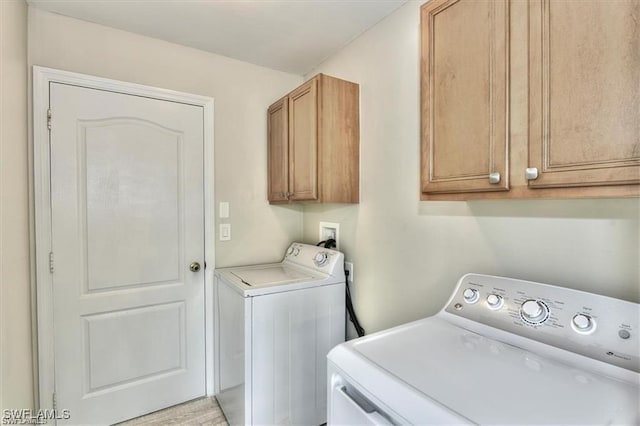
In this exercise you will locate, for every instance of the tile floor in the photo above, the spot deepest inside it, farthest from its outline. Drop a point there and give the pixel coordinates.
(203, 411)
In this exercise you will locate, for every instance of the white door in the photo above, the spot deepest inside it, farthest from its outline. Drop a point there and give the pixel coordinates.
(127, 222)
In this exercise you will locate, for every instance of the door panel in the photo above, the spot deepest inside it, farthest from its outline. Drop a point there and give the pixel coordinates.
(303, 142)
(465, 45)
(132, 192)
(584, 92)
(156, 330)
(127, 220)
(278, 150)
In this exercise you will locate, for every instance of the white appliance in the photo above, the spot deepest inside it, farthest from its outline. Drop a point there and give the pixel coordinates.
(502, 351)
(275, 325)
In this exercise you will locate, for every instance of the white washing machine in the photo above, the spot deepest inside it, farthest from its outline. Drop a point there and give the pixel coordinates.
(502, 351)
(275, 325)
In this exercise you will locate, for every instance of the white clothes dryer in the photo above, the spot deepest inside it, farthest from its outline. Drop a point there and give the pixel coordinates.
(501, 352)
(275, 325)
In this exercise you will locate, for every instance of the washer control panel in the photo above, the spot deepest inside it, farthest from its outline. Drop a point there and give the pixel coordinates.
(319, 258)
(592, 325)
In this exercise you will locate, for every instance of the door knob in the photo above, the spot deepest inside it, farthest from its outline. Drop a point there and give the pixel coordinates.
(195, 267)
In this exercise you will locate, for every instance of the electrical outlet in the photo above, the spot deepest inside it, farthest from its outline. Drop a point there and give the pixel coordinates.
(348, 266)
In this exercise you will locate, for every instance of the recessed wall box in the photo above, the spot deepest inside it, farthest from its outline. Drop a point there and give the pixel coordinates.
(329, 230)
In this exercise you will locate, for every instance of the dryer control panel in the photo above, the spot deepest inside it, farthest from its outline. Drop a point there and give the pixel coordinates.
(592, 325)
(322, 259)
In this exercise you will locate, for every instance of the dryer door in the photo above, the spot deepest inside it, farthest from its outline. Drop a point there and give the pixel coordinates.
(350, 407)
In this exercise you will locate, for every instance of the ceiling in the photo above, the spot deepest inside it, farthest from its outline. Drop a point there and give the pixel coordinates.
(287, 35)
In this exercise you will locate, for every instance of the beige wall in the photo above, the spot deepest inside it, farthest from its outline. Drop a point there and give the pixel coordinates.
(409, 254)
(16, 378)
(241, 93)
(15, 314)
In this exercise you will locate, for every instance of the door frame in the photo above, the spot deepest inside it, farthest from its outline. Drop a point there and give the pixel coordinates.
(41, 278)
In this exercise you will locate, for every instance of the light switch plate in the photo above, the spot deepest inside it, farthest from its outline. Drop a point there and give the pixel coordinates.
(225, 232)
(224, 210)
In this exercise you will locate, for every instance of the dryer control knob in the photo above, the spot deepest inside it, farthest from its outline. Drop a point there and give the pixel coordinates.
(320, 258)
(534, 311)
(471, 295)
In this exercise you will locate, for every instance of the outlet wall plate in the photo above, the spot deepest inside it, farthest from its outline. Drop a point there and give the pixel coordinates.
(225, 232)
(348, 266)
(327, 230)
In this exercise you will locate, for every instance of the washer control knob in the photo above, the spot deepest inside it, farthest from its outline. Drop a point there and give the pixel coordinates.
(495, 301)
(296, 251)
(290, 251)
(583, 324)
(471, 295)
(534, 311)
(320, 258)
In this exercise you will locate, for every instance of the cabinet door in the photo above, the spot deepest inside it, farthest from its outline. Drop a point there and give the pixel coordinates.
(278, 150)
(464, 78)
(584, 93)
(303, 142)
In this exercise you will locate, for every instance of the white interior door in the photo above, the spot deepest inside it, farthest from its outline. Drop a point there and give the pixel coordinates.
(127, 221)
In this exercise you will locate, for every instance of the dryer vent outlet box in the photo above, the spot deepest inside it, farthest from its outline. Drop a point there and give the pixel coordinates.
(329, 230)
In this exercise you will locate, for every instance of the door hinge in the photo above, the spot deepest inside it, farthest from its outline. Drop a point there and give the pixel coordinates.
(55, 402)
(51, 262)
(49, 119)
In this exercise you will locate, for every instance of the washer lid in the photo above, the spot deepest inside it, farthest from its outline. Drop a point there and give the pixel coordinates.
(489, 382)
(270, 275)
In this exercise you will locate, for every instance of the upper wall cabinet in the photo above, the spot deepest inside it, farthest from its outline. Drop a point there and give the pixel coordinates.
(303, 142)
(314, 142)
(278, 150)
(530, 99)
(465, 69)
(584, 92)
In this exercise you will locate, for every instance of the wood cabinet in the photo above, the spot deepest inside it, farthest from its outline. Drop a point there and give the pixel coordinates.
(278, 150)
(584, 92)
(548, 87)
(465, 103)
(313, 143)
(303, 146)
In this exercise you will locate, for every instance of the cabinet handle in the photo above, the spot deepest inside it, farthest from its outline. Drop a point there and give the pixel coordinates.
(494, 177)
(531, 173)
